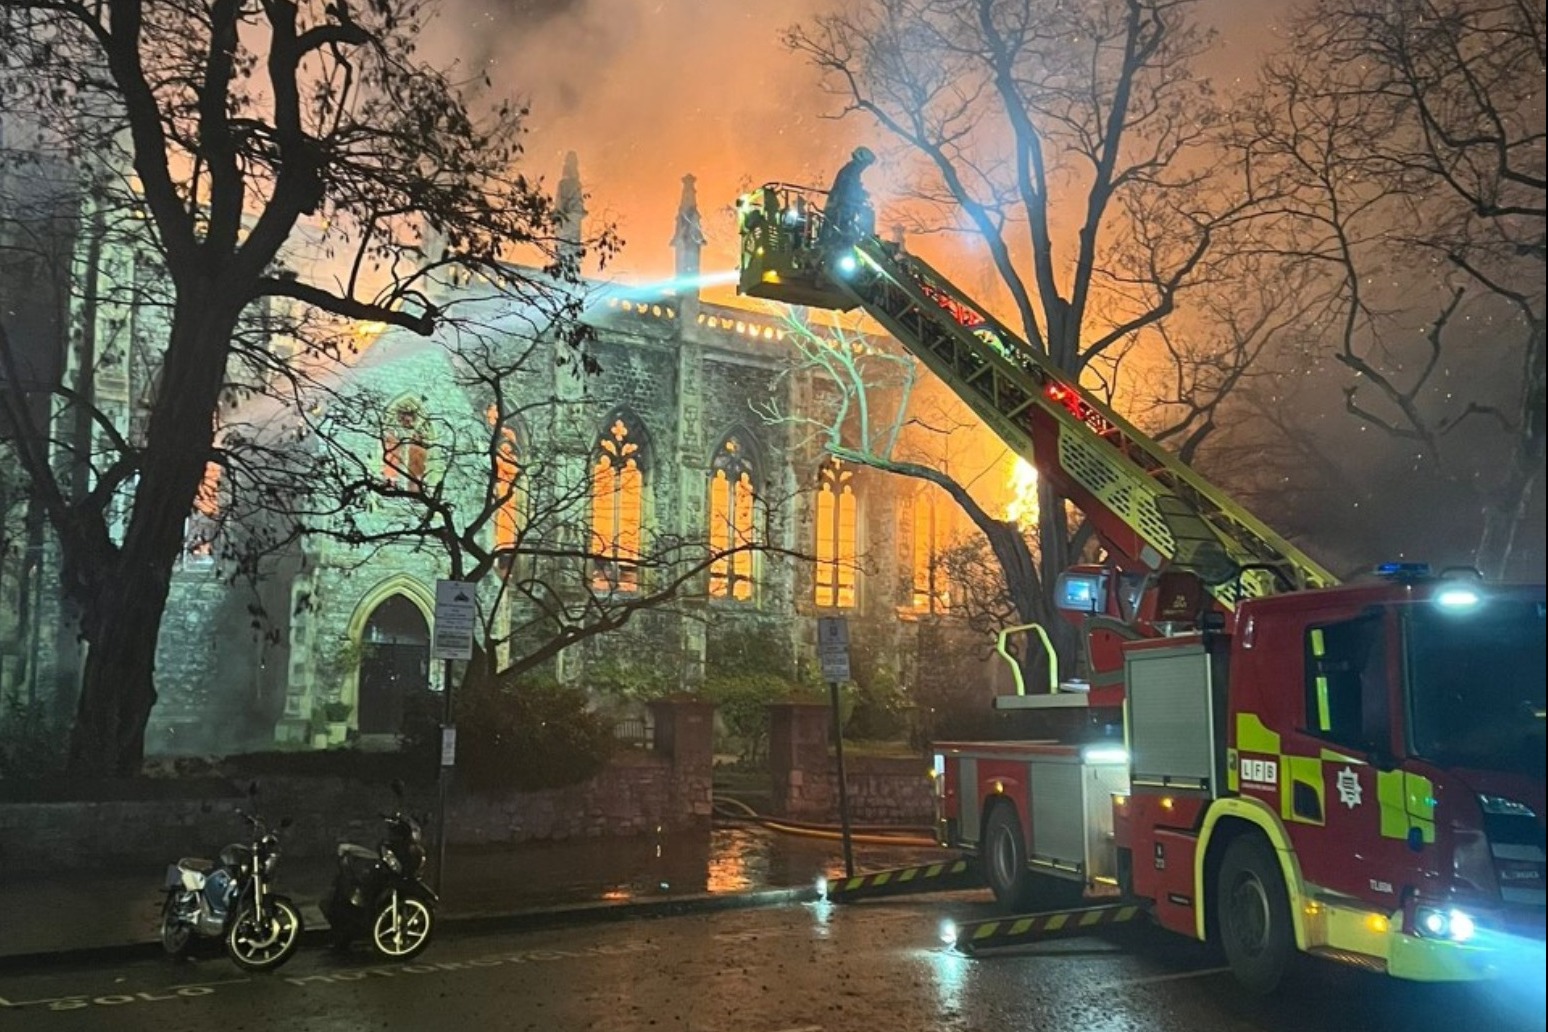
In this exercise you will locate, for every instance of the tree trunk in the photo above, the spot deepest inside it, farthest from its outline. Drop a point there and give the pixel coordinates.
(118, 682)
(1023, 583)
(1053, 529)
(123, 604)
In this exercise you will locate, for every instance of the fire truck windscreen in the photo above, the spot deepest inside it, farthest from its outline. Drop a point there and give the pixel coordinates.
(1474, 680)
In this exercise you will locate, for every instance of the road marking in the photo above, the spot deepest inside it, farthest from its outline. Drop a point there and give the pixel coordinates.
(1176, 976)
(222, 981)
(77, 1001)
(541, 956)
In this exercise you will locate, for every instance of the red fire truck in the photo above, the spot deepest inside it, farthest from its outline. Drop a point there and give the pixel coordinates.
(1257, 754)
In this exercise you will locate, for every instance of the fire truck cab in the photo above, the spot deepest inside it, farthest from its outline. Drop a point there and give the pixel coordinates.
(1354, 772)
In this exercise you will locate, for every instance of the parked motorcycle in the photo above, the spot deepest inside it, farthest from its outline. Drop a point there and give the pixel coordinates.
(231, 898)
(379, 892)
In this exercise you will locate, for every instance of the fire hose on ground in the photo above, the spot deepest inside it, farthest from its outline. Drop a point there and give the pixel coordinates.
(862, 834)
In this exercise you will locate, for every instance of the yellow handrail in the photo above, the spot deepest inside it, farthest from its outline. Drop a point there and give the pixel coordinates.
(1053, 657)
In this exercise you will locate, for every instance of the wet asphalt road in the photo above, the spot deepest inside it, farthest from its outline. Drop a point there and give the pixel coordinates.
(874, 967)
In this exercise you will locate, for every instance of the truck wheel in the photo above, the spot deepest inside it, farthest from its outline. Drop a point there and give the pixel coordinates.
(1005, 860)
(1254, 915)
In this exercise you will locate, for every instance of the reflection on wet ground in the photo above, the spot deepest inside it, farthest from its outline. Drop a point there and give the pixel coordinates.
(735, 859)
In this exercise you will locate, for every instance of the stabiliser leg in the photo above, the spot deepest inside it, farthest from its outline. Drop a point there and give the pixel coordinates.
(945, 876)
(973, 937)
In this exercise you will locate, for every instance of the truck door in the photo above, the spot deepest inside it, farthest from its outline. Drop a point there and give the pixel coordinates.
(1338, 760)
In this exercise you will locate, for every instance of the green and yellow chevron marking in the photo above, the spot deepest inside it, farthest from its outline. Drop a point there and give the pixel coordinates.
(937, 877)
(1016, 931)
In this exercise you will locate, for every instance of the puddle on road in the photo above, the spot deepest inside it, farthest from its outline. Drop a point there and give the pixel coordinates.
(736, 859)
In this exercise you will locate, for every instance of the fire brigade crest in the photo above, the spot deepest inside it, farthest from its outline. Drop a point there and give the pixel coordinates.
(1348, 788)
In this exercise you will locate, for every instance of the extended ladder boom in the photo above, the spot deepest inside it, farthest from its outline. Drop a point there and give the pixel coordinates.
(1149, 509)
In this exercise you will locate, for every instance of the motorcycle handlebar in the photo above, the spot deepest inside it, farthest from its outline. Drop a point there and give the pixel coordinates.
(259, 822)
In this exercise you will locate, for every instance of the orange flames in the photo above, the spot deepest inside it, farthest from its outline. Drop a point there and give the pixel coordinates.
(1022, 507)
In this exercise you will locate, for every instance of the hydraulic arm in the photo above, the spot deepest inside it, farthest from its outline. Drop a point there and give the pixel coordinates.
(1150, 510)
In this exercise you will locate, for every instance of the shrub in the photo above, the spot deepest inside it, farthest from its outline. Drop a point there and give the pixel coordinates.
(32, 745)
(742, 700)
(634, 682)
(750, 648)
(528, 733)
(880, 709)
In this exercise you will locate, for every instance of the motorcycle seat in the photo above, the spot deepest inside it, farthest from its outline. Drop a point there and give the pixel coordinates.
(349, 849)
(193, 869)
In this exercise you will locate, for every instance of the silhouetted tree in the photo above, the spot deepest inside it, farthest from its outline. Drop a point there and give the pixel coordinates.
(230, 129)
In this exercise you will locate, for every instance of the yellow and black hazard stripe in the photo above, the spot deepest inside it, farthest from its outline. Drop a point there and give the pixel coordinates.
(901, 881)
(1018, 931)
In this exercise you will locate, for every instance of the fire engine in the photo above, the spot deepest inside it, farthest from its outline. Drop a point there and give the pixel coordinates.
(1257, 755)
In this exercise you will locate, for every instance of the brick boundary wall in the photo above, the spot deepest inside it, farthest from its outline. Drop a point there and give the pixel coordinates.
(804, 774)
(149, 822)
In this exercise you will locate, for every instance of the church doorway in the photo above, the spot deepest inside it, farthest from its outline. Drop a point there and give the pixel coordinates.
(394, 663)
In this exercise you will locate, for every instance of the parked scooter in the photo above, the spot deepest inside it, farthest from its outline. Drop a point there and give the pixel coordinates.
(379, 892)
(231, 898)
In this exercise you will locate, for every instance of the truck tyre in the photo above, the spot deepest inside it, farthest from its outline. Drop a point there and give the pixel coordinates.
(1004, 851)
(1253, 910)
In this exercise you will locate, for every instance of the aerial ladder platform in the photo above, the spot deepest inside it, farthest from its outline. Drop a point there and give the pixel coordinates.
(1148, 508)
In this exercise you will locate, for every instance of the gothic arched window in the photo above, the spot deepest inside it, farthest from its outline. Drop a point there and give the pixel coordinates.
(618, 507)
(204, 523)
(504, 488)
(733, 506)
(837, 544)
(932, 536)
(406, 446)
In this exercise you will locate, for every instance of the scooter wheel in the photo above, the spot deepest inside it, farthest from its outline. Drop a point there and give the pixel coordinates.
(176, 933)
(402, 931)
(257, 943)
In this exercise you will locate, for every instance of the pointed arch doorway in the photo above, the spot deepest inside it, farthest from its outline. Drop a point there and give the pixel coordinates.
(394, 663)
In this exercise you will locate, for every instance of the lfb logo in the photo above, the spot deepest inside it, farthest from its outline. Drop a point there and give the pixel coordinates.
(1260, 772)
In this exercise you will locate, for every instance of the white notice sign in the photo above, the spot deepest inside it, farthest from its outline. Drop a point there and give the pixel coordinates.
(833, 648)
(456, 616)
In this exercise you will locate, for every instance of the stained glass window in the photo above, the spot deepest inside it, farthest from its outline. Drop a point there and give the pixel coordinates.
(837, 550)
(732, 520)
(617, 508)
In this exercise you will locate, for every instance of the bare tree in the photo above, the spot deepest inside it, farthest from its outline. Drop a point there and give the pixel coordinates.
(1408, 139)
(1015, 111)
(228, 126)
(865, 410)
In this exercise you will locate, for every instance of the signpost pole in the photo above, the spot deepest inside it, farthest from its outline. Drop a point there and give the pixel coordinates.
(443, 776)
(833, 654)
(843, 782)
(456, 615)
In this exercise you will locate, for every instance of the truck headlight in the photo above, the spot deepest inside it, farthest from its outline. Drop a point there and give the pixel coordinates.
(1455, 925)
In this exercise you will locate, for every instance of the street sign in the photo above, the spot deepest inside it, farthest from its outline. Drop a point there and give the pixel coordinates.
(456, 616)
(448, 746)
(833, 648)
